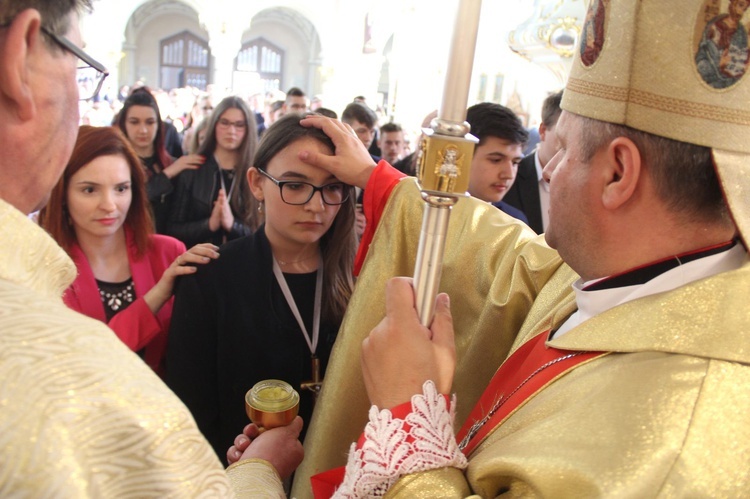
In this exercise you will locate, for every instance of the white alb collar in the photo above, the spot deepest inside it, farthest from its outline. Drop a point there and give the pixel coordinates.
(591, 303)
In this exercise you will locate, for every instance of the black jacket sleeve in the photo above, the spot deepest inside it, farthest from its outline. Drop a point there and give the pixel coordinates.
(159, 185)
(191, 211)
(192, 351)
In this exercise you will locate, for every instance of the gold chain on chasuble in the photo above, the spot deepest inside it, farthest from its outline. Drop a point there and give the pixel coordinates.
(528, 370)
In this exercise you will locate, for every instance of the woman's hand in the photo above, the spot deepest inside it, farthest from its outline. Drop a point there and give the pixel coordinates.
(188, 162)
(221, 215)
(217, 213)
(227, 217)
(279, 446)
(199, 254)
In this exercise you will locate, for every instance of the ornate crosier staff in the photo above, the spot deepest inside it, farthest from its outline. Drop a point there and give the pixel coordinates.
(445, 157)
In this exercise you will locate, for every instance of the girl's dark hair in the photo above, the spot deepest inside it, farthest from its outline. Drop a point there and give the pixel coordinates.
(142, 97)
(337, 246)
(92, 143)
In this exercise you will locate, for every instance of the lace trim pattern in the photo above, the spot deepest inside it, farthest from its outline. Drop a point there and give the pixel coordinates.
(395, 447)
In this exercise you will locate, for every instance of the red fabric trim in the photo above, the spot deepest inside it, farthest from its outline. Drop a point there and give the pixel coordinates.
(382, 181)
(325, 484)
(515, 370)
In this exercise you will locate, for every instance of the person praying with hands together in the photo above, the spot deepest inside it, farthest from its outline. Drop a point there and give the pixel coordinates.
(213, 203)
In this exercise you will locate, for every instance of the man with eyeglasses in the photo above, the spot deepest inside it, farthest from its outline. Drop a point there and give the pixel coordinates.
(81, 415)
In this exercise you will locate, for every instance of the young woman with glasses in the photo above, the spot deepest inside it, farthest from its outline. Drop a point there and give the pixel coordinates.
(98, 212)
(271, 306)
(140, 121)
(212, 204)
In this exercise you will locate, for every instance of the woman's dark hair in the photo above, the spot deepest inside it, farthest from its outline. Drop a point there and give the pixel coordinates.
(142, 97)
(92, 143)
(337, 246)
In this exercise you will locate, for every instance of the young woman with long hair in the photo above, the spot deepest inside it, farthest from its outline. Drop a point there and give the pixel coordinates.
(140, 121)
(211, 204)
(98, 212)
(272, 305)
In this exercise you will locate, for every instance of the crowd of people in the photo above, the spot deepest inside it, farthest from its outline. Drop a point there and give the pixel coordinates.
(589, 341)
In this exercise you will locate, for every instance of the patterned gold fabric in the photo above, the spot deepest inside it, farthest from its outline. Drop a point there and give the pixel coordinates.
(80, 414)
(667, 415)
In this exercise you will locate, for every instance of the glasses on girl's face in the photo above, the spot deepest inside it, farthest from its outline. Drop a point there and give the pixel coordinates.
(239, 125)
(297, 193)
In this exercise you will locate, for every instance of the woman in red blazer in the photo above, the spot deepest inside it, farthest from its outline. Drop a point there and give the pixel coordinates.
(98, 212)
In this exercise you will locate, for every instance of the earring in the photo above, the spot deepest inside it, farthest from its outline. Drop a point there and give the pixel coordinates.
(261, 207)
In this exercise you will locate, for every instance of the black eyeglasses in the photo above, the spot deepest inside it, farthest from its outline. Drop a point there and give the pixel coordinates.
(298, 193)
(90, 77)
(239, 125)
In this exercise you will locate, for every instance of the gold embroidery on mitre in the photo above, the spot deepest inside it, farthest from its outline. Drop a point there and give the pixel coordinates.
(600, 90)
(682, 107)
(720, 43)
(691, 109)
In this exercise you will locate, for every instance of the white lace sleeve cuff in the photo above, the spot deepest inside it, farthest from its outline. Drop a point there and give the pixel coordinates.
(394, 447)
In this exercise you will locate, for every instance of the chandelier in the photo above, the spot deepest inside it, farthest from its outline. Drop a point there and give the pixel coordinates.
(550, 36)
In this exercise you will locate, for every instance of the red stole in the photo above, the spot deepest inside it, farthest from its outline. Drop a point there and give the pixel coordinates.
(528, 370)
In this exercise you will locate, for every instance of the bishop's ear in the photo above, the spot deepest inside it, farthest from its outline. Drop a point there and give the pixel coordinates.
(623, 172)
(21, 48)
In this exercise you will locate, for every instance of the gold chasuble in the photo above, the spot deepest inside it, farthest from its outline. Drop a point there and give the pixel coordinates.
(667, 413)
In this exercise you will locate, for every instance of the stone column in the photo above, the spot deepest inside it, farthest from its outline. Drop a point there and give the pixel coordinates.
(225, 40)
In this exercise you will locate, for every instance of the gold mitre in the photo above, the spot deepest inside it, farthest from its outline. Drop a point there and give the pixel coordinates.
(673, 68)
